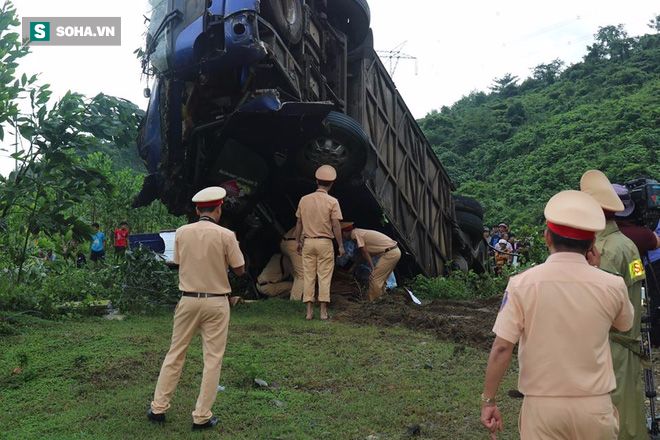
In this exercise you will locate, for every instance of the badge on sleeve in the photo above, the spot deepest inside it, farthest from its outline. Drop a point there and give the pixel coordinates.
(504, 300)
(636, 269)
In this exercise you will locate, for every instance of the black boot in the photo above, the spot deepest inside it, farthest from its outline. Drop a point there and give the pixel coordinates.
(208, 425)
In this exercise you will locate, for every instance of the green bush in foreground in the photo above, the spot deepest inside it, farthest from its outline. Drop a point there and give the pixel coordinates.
(140, 284)
(458, 286)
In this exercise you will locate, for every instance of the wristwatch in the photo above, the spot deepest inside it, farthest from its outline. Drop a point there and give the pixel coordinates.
(485, 399)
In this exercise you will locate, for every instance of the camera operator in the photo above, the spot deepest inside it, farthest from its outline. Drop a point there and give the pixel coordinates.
(631, 224)
(644, 238)
(619, 255)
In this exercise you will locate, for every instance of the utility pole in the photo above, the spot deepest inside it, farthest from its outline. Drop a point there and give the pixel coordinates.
(394, 56)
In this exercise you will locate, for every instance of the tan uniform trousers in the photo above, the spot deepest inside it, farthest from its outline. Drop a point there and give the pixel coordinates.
(318, 258)
(386, 264)
(290, 249)
(274, 289)
(568, 418)
(211, 316)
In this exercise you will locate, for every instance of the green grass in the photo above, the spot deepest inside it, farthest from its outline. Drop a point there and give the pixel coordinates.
(94, 379)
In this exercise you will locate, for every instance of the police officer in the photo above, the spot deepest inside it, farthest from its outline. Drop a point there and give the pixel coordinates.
(374, 244)
(289, 247)
(204, 251)
(318, 223)
(618, 254)
(275, 278)
(560, 312)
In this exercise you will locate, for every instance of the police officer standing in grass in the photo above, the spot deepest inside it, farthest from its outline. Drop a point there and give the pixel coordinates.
(204, 251)
(374, 244)
(618, 254)
(318, 223)
(560, 312)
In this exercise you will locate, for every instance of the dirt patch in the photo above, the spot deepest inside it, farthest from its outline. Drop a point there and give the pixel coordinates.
(461, 322)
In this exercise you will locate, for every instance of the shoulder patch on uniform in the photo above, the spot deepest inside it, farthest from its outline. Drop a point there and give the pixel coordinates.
(636, 268)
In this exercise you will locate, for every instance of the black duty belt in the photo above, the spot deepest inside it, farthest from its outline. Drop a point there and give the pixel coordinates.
(320, 238)
(266, 282)
(289, 239)
(204, 295)
(396, 246)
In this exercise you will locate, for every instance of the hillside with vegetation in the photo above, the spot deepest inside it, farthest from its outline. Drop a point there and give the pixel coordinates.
(514, 147)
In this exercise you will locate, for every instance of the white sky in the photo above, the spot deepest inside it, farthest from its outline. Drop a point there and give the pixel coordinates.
(459, 46)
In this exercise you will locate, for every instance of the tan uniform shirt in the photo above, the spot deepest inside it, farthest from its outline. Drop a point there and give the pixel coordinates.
(205, 251)
(561, 312)
(277, 269)
(316, 210)
(373, 241)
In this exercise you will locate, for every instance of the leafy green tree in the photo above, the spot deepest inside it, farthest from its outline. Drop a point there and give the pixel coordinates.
(10, 52)
(505, 86)
(548, 73)
(654, 23)
(51, 178)
(612, 42)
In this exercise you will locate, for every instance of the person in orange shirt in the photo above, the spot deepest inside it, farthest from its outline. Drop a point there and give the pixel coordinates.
(374, 244)
(560, 313)
(318, 223)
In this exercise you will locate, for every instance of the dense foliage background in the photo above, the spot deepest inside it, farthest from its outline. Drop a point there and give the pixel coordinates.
(516, 146)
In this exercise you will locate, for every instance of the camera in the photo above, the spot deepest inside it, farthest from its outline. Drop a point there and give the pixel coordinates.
(646, 195)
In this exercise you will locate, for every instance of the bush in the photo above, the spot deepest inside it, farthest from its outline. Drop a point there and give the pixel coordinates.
(143, 283)
(140, 284)
(458, 286)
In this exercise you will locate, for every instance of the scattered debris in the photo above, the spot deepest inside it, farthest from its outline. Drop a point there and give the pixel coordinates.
(262, 383)
(114, 315)
(279, 403)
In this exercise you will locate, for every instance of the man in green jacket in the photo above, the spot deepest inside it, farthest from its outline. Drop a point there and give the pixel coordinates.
(619, 254)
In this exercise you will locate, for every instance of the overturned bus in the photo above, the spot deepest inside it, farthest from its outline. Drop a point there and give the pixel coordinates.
(254, 95)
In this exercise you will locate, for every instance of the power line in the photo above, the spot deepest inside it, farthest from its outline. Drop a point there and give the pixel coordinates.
(394, 56)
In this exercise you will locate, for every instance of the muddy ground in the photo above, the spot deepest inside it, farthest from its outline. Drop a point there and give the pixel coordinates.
(461, 322)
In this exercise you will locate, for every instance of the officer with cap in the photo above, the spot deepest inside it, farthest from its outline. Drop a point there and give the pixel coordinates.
(560, 312)
(618, 254)
(318, 223)
(204, 251)
(374, 244)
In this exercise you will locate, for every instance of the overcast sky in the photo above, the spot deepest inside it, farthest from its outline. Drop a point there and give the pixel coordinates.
(458, 46)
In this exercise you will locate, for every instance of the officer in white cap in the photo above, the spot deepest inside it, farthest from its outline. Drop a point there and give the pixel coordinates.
(318, 223)
(618, 254)
(204, 251)
(560, 312)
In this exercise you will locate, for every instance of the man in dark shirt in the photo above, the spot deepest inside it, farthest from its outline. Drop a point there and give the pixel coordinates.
(644, 238)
